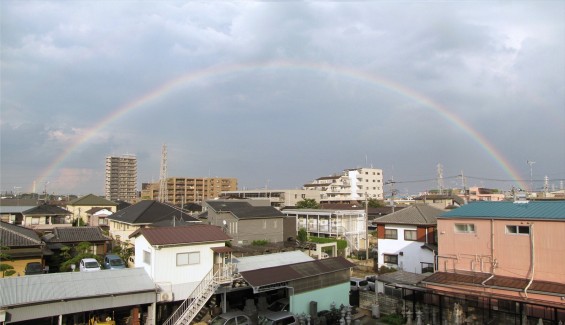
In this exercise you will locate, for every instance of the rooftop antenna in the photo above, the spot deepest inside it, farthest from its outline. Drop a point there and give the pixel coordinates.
(163, 175)
(531, 163)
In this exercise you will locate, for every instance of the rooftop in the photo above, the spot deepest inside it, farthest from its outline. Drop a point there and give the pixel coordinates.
(17, 236)
(416, 214)
(197, 233)
(541, 210)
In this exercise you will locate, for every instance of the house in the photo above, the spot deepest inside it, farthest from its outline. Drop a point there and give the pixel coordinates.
(349, 224)
(178, 259)
(246, 222)
(73, 236)
(23, 246)
(406, 238)
(475, 193)
(79, 206)
(45, 217)
(147, 213)
(503, 261)
(11, 209)
(98, 217)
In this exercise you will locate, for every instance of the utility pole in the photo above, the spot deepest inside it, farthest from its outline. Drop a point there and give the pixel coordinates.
(366, 227)
(531, 163)
(163, 176)
(440, 178)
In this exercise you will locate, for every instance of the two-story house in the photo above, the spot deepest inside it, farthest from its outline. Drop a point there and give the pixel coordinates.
(79, 206)
(406, 238)
(21, 245)
(147, 213)
(46, 217)
(245, 222)
(183, 261)
(502, 262)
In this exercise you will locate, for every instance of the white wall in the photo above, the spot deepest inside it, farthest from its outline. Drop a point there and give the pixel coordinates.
(413, 253)
(164, 270)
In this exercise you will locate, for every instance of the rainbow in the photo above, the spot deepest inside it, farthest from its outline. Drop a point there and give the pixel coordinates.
(181, 81)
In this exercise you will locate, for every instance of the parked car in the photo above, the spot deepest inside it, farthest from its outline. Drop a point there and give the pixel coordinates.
(359, 284)
(231, 318)
(279, 305)
(33, 268)
(89, 264)
(277, 318)
(113, 261)
(371, 279)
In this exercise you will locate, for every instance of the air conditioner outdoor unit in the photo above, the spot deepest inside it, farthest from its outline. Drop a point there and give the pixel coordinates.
(165, 296)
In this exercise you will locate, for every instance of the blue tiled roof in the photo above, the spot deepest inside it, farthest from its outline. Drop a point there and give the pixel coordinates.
(543, 210)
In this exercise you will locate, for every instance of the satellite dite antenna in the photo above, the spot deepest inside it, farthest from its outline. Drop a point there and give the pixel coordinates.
(531, 163)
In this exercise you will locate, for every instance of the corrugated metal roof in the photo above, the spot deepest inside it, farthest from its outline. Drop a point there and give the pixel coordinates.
(546, 210)
(256, 262)
(32, 289)
(416, 214)
(284, 273)
(17, 236)
(198, 233)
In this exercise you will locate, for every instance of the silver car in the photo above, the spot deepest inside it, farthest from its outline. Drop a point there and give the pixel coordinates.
(231, 318)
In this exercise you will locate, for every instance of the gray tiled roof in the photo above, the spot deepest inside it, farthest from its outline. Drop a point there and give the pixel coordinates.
(47, 210)
(150, 212)
(17, 236)
(199, 233)
(92, 200)
(244, 210)
(416, 214)
(76, 234)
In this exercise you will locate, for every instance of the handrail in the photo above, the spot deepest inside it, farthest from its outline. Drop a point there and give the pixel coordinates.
(200, 295)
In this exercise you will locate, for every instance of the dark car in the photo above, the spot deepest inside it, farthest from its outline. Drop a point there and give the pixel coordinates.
(33, 268)
(112, 261)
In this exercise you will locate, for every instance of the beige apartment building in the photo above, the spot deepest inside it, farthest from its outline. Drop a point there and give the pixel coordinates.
(121, 178)
(181, 190)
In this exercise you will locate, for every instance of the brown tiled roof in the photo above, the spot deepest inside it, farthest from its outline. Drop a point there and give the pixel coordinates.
(197, 233)
(283, 273)
(500, 282)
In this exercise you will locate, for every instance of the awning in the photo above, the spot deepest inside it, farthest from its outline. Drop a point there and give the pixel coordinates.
(222, 249)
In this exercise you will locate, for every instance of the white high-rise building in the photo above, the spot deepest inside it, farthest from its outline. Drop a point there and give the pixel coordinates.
(121, 178)
(351, 185)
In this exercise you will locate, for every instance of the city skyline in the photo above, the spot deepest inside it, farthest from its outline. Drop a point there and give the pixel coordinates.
(278, 94)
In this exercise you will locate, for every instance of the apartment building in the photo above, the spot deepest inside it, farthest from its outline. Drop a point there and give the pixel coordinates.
(277, 198)
(121, 178)
(182, 190)
(350, 186)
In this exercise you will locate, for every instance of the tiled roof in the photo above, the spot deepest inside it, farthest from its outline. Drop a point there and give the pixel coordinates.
(198, 233)
(76, 234)
(16, 236)
(47, 210)
(542, 210)
(499, 282)
(284, 273)
(150, 212)
(92, 200)
(416, 214)
(244, 210)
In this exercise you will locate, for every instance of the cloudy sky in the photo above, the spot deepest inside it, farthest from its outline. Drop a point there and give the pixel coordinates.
(277, 94)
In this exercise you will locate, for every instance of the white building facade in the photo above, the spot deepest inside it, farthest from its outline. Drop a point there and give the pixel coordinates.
(352, 185)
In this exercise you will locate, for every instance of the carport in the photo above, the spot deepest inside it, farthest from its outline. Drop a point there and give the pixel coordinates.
(64, 295)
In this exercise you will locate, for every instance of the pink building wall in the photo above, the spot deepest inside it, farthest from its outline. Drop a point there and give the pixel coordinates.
(511, 253)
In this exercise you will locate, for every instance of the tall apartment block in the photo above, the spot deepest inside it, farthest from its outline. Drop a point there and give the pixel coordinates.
(184, 190)
(352, 185)
(121, 178)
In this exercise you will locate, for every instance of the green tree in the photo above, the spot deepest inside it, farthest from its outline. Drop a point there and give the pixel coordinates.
(73, 255)
(123, 250)
(302, 235)
(374, 203)
(5, 269)
(307, 204)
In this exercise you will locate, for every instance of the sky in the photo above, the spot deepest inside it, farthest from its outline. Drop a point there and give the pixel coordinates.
(277, 94)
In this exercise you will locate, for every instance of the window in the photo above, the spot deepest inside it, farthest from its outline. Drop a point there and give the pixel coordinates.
(427, 267)
(519, 230)
(464, 227)
(410, 235)
(390, 259)
(147, 257)
(34, 221)
(188, 258)
(391, 234)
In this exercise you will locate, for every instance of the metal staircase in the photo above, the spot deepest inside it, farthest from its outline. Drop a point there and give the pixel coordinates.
(201, 294)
